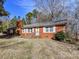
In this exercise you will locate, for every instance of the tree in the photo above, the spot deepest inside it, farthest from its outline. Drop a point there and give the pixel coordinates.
(72, 17)
(4, 24)
(24, 21)
(35, 12)
(76, 21)
(53, 7)
(19, 18)
(13, 22)
(29, 17)
(40, 17)
(2, 10)
(62, 10)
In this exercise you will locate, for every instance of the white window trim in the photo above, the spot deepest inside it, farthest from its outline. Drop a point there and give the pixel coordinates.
(31, 30)
(54, 30)
(44, 30)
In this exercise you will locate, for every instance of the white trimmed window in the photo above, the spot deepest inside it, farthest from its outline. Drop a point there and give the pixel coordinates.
(26, 30)
(49, 29)
(30, 30)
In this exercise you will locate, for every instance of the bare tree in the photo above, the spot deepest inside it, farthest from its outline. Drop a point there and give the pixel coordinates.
(62, 9)
(73, 22)
(76, 20)
(53, 7)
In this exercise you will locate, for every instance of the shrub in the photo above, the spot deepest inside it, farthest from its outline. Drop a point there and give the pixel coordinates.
(60, 36)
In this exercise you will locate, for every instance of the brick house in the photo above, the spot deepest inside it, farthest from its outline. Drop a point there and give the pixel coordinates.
(42, 30)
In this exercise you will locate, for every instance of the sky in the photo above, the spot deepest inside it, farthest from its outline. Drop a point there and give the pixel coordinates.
(22, 7)
(19, 7)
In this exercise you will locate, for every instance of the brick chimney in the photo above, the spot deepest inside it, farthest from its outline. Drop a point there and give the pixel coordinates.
(19, 24)
(19, 27)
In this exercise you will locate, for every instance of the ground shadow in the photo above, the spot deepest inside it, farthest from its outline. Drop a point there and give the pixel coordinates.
(5, 36)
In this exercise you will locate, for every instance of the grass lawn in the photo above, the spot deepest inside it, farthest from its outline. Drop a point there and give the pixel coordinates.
(19, 48)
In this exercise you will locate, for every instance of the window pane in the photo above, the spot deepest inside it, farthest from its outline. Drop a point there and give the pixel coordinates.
(26, 30)
(51, 29)
(31, 30)
(47, 29)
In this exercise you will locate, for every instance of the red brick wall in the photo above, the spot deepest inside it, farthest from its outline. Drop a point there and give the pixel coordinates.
(60, 28)
(28, 35)
(42, 34)
(46, 35)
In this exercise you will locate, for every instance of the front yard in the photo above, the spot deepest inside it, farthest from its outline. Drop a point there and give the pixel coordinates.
(19, 48)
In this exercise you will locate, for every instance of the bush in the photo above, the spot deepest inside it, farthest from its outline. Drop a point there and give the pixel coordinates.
(60, 36)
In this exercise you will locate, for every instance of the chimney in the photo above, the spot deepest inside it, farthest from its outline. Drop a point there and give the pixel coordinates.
(19, 24)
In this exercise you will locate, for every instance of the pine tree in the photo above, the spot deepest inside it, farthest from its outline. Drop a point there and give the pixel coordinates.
(2, 10)
(24, 21)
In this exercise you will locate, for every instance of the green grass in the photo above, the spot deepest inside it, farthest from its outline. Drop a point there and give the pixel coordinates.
(18, 48)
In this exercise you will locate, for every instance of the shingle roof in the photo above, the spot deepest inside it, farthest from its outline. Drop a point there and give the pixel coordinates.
(45, 24)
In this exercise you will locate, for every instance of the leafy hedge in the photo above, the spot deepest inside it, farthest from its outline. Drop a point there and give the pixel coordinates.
(60, 36)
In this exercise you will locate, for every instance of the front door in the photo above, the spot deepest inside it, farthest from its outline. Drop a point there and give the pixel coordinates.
(37, 31)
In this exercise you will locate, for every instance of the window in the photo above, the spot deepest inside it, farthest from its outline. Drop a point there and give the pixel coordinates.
(28, 30)
(37, 29)
(49, 29)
